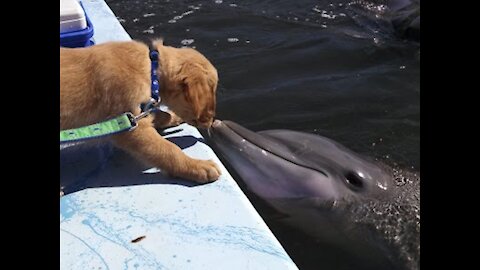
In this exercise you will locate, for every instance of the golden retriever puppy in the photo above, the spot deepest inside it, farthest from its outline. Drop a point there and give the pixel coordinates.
(106, 80)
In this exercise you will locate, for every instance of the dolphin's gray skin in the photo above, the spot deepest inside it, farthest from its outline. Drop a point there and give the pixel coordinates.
(323, 188)
(290, 164)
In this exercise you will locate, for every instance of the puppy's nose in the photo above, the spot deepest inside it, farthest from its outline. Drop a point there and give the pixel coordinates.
(206, 124)
(205, 120)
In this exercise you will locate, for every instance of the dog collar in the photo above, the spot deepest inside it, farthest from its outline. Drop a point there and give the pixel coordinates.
(154, 76)
(123, 122)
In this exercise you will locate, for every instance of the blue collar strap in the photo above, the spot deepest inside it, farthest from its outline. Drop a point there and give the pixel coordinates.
(155, 83)
(124, 122)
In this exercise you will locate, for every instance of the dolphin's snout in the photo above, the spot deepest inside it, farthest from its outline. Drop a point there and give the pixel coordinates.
(216, 123)
(217, 129)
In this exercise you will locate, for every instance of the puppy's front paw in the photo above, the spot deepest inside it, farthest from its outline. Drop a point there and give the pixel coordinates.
(204, 171)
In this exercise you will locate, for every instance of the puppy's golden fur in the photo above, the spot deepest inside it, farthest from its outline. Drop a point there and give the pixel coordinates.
(105, 80)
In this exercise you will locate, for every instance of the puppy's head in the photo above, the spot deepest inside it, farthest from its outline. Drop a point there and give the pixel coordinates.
(189, 84)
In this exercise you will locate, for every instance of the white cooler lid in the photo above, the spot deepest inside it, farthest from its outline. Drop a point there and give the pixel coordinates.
(72, 16)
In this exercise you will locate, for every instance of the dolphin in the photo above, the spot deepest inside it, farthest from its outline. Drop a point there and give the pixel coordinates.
(324, 189)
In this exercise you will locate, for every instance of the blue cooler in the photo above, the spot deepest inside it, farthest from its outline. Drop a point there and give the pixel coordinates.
(76, 30)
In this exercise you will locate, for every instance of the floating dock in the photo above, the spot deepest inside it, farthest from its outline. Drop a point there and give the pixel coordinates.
(119, 214)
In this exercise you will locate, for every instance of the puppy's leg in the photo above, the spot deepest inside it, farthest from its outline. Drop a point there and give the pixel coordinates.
(166, 119)
(146, 144)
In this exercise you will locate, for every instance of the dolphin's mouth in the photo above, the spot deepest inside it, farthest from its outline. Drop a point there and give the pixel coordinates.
(216, 123)
(218, 127)
(271, 146)
(227, 129)
(232, 135)
(247, 135)
(230, 125)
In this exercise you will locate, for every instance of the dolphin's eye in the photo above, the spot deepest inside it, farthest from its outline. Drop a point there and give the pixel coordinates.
(354, 179)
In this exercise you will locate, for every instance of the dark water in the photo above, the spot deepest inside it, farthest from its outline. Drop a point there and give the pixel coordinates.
(335, 68)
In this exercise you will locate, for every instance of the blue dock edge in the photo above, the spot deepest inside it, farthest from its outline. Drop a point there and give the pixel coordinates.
(111, 199)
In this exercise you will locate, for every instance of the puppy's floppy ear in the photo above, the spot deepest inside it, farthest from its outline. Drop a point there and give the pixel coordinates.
(195, 85)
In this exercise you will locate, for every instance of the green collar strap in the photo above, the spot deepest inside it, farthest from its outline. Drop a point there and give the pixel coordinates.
(121, 123)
